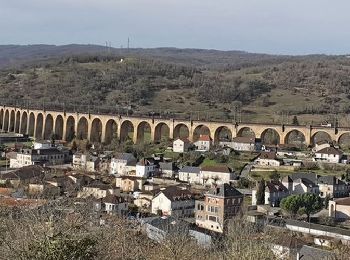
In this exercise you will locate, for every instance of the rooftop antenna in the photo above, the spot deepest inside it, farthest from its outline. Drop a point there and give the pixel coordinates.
(128, 43)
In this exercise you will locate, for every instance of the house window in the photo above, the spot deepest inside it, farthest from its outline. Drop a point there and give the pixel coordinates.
(213, 218)
(213, 209)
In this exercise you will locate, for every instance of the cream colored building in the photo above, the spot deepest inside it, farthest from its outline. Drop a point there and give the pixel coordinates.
(85, 162)
(203, 143)
(122, 163)
(215, 175)
(267, 159)
(97, 190)
(190, 174)
(173, 201)
(181, 145)
(329, 155)
(130, 183)
(339, 208)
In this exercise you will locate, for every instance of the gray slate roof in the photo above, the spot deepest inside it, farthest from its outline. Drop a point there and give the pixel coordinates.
(190, 169)
(125, 156)
(311, 253)
(166, 166)
(225, 190)
(330, 180)
(310, 176)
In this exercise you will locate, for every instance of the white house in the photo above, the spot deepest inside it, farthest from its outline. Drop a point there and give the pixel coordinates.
(328, 154)
(275, 191)
(173, 201)
(190, 174)
(181, 145)
(203, 143)
(243, 144)
(215, 175)
(122, 163)
(46, 145)
(145, 168)
(268, 159)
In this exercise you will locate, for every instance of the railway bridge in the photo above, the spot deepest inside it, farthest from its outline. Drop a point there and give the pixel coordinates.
(67, 125)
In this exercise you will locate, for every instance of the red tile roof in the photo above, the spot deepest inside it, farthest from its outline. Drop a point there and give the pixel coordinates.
(216, 168)
(268, 155)
(330, 150)
(176, 193)
(205, 138)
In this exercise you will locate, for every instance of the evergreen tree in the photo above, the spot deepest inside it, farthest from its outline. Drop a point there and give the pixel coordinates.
(260, 193)
(295, 121)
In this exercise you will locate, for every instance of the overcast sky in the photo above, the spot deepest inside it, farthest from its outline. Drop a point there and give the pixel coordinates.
(268, 26)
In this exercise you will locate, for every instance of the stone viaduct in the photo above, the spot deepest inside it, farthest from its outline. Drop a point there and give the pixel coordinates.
(41, 124)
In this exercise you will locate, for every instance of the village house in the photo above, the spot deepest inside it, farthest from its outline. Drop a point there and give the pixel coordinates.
(46, 144)
(320, 145)
(159, 228)
(145, 167)
(249, 144)
(333, 187)
(97, 189)
(220, 204)
(203, 143)
(339, 209)
(275, 191)
(111, 204)
(267, 159)
(190, 174)
(167, 169)
(150, 186)
(215, 175)
(329, 155)
(301, 183)
(143, 200)
(122, 163)
(181, 145)
(85, 162)
(130, 183)
(40, 188)
(44, 157)
(173, 201)
(24, 175)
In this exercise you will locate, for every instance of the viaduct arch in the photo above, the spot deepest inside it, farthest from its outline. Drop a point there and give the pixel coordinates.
(65, 125)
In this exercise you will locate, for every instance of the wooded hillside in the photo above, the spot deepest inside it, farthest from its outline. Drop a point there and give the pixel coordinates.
(200, 83)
